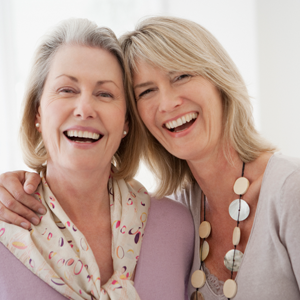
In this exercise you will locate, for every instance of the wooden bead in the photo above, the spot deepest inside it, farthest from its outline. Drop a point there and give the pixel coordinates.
(204, 250)
(241, 186)
(198, 279)
(236, 237)
(204, 230)
(197, 296)
(230, 288)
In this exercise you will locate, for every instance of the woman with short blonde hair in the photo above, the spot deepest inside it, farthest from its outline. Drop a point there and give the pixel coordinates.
(81, 132)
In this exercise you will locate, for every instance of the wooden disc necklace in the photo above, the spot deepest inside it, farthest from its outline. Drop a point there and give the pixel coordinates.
(239, 210)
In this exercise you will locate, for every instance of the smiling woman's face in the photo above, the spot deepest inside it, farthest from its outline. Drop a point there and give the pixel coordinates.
(182, 111)
(82, 109)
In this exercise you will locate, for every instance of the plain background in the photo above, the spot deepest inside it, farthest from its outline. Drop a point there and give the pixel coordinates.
(261, 36)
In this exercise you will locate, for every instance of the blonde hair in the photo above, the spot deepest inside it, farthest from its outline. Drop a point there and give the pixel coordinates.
(86, 33)
(175, 44)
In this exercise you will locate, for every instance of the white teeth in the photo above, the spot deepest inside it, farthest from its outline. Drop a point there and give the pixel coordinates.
(83, 134)
(182, 120)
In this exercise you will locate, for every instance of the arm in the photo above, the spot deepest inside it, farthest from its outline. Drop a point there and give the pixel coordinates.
(290, 221)
(16, 203)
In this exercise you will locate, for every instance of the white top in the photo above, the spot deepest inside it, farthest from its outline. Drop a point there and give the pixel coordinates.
(271, 264)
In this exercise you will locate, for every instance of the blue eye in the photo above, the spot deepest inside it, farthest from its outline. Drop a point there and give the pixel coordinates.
(66, 90)
(105, 95)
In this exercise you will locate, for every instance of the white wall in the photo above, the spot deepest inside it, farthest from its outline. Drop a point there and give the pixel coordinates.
(278, 35)
(261, 36)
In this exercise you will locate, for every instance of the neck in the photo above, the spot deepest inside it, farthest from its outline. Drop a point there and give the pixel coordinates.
(81, 194)
(216, 177)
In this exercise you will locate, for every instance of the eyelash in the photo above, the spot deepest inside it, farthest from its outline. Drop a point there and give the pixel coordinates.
(69, 91)
(145, 93)
(180, 77)
(66, 90)
(107, 95)
(183, 76)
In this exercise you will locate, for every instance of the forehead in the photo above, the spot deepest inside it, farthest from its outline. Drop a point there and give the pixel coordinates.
(89, 62)
(144, 70)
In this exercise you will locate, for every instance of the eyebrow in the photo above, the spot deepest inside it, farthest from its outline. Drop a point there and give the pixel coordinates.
(100, 82)
(143, 84)
(169, 74)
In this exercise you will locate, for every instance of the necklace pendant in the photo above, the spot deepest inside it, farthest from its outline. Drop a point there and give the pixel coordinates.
(231, 265)
(197, 296)
(204, 250)
(198, 279)
(241, 186)
(230, 288)
(239, 210)
(204, 230)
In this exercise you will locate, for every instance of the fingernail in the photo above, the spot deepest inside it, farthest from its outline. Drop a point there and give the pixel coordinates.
(42, 211)
(25, 225)
(35, 221)
(30, 188)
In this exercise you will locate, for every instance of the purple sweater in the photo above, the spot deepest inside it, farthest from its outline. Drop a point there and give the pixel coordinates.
(162, 271)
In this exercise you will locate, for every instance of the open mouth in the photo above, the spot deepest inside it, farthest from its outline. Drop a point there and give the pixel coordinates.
(181, 123)
(82, 136)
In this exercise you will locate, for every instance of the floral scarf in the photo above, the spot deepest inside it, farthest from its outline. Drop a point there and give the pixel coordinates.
(59, 254)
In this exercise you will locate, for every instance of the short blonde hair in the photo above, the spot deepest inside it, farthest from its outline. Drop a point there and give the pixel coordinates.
(175, 44)
(86, 33)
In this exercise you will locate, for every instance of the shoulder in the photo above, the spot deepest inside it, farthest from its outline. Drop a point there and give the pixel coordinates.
(281, 166)
(173, 217)
(167, 251)
(282, 177)
(170, 209)
(280, 191)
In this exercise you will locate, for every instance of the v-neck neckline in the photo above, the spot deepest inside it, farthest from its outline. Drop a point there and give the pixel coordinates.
(257, 212)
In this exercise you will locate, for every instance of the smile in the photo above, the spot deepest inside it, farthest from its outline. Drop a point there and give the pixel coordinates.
(82, 136)
(181, 123)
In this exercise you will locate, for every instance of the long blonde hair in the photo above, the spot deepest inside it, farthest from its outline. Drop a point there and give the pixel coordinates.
(175, 44)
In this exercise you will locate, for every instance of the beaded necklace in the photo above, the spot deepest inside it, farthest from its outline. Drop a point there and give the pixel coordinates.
(239, 210)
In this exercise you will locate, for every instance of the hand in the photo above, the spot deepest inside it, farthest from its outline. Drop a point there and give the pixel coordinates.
(17, 206)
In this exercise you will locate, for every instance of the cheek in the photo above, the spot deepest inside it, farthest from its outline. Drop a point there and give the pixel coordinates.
(145, 113)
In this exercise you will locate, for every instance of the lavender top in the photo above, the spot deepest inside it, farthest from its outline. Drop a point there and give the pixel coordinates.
(162, 271)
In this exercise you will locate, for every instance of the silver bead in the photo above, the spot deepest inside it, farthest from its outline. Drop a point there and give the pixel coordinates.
(234, 210)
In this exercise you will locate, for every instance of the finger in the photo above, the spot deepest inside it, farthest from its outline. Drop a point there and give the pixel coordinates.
(12, 183)
(12, 218)
(32, 180)
(10, 207)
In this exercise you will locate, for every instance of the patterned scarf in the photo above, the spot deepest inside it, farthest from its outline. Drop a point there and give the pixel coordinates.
(59, 254)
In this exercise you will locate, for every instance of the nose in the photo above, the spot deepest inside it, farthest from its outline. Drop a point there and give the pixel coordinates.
(169, 100)
(85, 107)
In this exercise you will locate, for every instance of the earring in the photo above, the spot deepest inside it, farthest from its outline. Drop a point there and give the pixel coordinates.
(37, 125)
(125, 132)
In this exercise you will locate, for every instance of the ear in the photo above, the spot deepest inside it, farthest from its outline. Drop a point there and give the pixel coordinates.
(38, 119)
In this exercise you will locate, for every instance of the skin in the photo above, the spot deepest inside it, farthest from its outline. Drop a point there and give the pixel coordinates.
(83, 90)
(162, 97)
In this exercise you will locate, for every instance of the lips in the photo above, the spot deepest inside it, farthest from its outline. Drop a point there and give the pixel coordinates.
(82, 136)
(181, 123)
